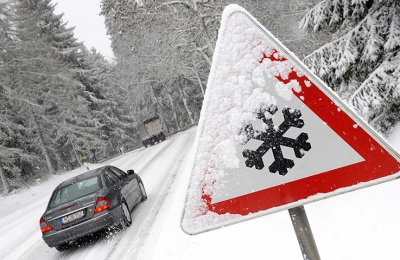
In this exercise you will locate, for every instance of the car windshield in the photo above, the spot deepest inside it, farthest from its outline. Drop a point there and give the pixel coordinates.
(74, 191)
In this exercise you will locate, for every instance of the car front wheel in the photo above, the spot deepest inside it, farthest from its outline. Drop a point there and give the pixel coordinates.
(127, 218)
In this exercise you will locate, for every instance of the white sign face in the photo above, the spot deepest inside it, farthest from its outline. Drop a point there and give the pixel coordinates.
(244, 180)
(271, 135)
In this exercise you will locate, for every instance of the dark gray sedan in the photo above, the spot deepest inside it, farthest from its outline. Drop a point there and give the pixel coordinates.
(90, 202)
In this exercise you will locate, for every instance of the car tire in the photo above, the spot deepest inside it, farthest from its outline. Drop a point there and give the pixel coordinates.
(63, 247)
(127, 217)
(143, 192)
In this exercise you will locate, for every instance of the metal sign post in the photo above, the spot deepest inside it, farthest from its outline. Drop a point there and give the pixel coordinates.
(304, 234)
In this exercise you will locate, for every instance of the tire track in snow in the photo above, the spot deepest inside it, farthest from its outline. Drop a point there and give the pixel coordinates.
(135, 237)
(23, 219)
(12, 247)
(14, 219)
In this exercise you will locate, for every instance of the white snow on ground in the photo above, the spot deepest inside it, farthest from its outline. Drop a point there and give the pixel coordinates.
(363, 224)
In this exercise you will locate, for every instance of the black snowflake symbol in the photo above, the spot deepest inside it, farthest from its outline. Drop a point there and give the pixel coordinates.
(274, 139)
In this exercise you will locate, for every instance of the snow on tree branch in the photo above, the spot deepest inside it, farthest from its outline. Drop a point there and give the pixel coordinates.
(361, 62)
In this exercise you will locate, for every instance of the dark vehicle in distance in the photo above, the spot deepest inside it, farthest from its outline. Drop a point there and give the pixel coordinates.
(90, 202)
(152, 131)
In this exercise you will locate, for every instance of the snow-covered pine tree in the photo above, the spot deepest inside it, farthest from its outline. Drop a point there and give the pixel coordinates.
(5, 29)
(18, 152)
(107, 105)
(43, 87)
(52, 101)
(362, 63)
(77, 131)
(90, 130)
(26, 82)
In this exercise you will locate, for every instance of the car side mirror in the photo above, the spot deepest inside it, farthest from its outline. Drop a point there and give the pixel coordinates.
(130, 172)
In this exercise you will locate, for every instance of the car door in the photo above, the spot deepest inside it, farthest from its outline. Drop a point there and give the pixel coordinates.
(119, 183)
(130, 186)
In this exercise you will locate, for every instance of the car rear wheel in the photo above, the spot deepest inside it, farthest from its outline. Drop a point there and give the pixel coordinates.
(127, 218)
(143, 191)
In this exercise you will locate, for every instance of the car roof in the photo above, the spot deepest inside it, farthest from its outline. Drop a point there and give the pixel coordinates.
(83, 176)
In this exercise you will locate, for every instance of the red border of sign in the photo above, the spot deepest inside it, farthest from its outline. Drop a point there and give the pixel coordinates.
(378, 162)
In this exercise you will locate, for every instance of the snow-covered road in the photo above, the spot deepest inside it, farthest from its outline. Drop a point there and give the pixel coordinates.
(359, 225)
(158, 167)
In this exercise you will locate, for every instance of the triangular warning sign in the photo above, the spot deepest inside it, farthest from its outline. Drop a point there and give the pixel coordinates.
(272, 136)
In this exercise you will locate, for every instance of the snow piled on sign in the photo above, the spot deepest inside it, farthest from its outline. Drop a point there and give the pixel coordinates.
(235, 93)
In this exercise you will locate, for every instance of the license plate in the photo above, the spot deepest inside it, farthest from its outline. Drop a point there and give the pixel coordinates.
(72, 217)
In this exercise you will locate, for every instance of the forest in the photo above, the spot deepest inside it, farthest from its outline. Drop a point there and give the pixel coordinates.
(62, 105)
